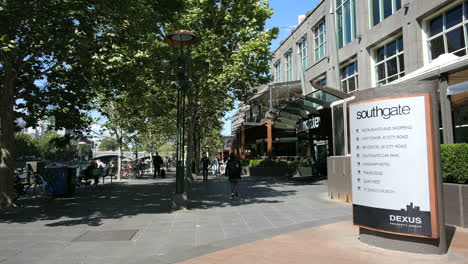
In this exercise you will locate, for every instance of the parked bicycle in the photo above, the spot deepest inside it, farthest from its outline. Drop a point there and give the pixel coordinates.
(129, 172)
(28, 182)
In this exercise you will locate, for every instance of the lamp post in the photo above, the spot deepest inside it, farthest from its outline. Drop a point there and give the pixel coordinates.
(181, 38)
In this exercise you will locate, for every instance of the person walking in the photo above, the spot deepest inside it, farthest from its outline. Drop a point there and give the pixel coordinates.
(233, 171)
(205, 164)
(215, 166)
(157, 163)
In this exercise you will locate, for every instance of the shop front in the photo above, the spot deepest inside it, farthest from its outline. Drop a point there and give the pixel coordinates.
(301, 130)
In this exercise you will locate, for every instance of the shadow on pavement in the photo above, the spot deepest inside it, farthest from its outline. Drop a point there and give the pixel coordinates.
(91, 205)
(252, 190)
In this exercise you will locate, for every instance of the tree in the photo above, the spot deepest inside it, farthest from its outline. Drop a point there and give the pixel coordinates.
(109, 144)
(52, 146)
(24, 145)
(84, 152)
(48, 51)
(232, 57)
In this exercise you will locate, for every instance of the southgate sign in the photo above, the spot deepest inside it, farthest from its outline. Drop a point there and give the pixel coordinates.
(309, 124)
(393, 166)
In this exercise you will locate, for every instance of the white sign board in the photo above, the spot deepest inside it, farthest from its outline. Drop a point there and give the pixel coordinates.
(390, 165)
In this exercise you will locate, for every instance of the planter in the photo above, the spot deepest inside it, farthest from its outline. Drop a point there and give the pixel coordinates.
(269, 171)
(456, 204)
(305, 171)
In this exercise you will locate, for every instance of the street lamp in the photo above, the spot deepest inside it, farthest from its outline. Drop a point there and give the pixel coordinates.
(181, 38)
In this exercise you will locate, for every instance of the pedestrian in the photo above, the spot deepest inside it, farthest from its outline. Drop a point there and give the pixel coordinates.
(205, 164)
(157, 163)
(233, 171)
(100, 164)
(215, 166)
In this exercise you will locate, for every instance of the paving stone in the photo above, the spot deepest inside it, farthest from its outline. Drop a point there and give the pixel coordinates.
(266, 207)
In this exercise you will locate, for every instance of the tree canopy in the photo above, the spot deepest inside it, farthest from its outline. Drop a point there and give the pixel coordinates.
(50, 54)
(63, 58)
(109, 144)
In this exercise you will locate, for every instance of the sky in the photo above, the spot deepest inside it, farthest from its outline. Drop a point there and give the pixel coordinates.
(285, 17)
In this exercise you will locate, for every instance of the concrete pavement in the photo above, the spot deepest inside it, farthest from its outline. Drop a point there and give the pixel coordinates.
(131, 222)
(275, 220)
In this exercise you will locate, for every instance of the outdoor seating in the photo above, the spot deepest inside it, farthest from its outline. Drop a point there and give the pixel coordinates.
(108, 171)
(93, 174)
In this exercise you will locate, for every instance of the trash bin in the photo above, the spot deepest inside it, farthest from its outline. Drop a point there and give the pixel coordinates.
(57, 179)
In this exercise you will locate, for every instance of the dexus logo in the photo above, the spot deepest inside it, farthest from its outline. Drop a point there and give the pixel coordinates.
(386, 113)
(405, 219)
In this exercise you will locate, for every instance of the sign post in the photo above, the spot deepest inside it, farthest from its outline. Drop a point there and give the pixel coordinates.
(394, 182)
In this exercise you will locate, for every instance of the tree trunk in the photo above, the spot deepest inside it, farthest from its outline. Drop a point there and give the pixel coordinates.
(190, 149)
(196, 146)
(119, 169)
(7, 137)
(151, 163)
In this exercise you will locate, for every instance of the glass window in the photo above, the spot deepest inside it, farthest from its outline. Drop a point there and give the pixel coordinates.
(376, 11)
(455, 40)
(387, 8)
(338, 130)
(453, 17)
(321, 81)
(319, 41)
(448, 32)
(436, 25)
(289, 67)
(303, 52)
(389, 62)
(278, 73)
(382, 9)
(345, 21)
(349, 75)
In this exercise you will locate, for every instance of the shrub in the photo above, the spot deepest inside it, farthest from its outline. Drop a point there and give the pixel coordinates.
(270, 163)
(454, 158)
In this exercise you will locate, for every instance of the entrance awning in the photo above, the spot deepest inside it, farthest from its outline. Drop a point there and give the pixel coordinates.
(306, 106)
(311, 103)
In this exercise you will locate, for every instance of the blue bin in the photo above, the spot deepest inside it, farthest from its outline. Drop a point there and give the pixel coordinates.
(55, 180)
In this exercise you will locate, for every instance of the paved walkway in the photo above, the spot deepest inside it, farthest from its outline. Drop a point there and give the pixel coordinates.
(334, 243)
(274, 221)
(131, 222)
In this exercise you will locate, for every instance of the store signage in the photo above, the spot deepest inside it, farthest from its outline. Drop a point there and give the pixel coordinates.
(392, 162)
(309, 124)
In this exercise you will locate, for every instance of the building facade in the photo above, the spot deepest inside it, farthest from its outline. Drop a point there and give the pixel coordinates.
(350, 45)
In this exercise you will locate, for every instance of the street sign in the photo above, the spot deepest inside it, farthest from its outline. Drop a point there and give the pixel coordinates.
(393, 165)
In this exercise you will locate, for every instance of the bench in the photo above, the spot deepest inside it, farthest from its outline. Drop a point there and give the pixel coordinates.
(108, 171)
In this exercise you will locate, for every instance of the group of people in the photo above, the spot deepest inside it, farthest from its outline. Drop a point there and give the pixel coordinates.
(86, 173)
(231, 167)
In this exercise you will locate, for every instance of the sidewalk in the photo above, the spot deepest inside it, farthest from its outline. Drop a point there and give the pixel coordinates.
(335, 243)
(131, 221)
(274, 220)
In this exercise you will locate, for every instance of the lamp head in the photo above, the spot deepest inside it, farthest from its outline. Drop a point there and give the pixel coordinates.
(181, 38)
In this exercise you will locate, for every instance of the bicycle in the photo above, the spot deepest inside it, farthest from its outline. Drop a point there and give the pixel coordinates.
(22, 184)
(129, 172)
(42, 188)
(34, 181)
